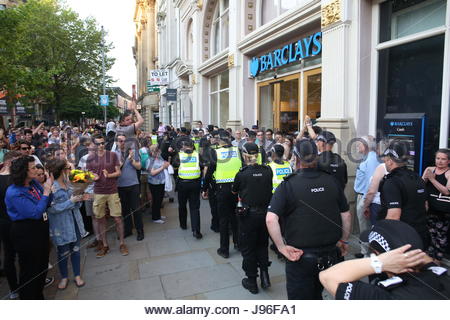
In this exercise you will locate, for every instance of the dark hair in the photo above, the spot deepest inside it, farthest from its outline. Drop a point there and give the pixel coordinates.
(23, 142)
(124, 115)
(56, 167)
(444, 151)
(40, 167)
(19, 169)
(269, 130)
(98, 136)
(27, 131)
(11, 155)
(120, 135)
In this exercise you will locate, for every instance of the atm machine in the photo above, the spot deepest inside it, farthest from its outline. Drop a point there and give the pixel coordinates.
(409, 127)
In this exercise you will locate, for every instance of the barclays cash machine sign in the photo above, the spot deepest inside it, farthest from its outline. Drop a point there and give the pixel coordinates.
(302, 49)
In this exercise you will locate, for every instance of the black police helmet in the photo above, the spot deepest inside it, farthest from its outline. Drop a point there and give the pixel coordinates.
(305, 150)
(277, 149)
(387, 235)
(250, 148)
(398, 151)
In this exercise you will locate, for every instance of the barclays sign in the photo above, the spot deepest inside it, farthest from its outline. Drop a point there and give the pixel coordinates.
(296, 51)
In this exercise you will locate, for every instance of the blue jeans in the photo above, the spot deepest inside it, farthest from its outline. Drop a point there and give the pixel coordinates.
(73, 250)
(374, 209)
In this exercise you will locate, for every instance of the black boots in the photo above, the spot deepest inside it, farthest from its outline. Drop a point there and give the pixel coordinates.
(250, 285)
(140, 235)
(265, 280)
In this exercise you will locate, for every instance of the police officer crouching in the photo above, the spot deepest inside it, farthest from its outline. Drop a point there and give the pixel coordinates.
(253, 184)
(317, 223)
(188, 185)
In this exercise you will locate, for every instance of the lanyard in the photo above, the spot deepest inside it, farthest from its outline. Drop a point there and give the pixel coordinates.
(35, 193)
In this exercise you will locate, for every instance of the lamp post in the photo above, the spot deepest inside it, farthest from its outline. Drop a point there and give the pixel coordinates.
(82, 115)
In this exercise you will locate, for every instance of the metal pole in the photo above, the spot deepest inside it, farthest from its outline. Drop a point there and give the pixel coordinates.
(103, 68)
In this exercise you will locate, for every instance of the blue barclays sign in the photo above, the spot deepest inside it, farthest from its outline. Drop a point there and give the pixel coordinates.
(401, 123)
(296, 51)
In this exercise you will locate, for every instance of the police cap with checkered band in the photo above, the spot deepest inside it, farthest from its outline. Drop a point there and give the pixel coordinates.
(387, 235)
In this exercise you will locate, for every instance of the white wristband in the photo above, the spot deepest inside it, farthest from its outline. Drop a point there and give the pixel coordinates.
(376, 264)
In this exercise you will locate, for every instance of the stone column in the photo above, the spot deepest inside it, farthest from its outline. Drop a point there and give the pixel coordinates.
(338, 63)
(235, 66)
(194, 78)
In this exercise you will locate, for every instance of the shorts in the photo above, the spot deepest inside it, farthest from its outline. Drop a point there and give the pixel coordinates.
(88, 205)
(113, 201)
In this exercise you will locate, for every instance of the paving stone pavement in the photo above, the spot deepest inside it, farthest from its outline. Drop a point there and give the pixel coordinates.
(168, 264)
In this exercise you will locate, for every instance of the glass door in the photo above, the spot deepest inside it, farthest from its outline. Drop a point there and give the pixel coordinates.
(312, 94)
(278, 103)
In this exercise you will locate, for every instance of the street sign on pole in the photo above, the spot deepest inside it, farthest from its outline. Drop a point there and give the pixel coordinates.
(151, 89)
(104, 100)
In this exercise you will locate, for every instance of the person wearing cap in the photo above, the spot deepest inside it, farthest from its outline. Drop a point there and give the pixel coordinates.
(402, 191)
(188, 163)
(280, 168)
(317, 223)
(196, 140)
(262, 157)
(223, 166)
(253, 184)
(207, 146)
(397, 255)
(329, 161)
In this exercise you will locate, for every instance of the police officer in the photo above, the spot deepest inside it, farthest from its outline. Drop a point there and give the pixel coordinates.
(280, 168)
(188, 185)
(262, 156)
(224, 165)
(253, 184)
(402, 191)
(317, 220)
(196, 140)
(207, 146)
(397, 249)
(329, 161)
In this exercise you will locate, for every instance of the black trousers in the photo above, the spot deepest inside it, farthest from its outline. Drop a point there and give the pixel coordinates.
(212, 198)
(302, 276)
(129, 200)
(31, 241)
(254, 242)
(9, 255)
(226, 205)
(189, 190)
(157, 191)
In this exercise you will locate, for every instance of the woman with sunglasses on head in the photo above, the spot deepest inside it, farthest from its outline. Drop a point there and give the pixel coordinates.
(26, 203)
(66, 223)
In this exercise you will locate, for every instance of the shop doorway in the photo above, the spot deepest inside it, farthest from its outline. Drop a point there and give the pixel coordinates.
(282, 104)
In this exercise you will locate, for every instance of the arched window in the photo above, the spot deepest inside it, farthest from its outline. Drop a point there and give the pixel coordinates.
(189, 42)
(270, 9)
(220, 26)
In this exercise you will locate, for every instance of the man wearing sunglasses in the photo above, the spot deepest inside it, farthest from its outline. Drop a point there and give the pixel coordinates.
(24, 147)
(106, 167)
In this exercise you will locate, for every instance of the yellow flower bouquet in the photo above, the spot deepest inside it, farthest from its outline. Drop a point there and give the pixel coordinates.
(80, 180)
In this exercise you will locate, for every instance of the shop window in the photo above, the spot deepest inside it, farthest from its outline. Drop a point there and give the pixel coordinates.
(410, 81)
(270, 9)
(220, 27)
(219, 99)
(406, 17)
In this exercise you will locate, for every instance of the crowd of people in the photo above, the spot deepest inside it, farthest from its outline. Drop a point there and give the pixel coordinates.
(260, 184)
